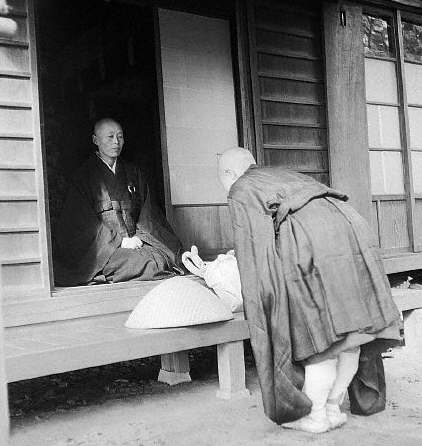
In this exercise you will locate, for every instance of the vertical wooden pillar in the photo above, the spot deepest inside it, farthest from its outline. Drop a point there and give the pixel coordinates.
(231, 371)
(347, 122)
(4, 410)
(242, 36)
(174, 368)
(413, 334)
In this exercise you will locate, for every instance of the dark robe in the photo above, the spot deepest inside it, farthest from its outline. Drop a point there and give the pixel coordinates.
(101, 208)
(310, 275)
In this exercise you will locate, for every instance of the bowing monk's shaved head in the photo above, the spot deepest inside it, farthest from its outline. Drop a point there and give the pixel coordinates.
(232, 164)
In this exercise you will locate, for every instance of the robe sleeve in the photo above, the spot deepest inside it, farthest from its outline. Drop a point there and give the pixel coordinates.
(83, 244)
(267, 313)
(153, 228)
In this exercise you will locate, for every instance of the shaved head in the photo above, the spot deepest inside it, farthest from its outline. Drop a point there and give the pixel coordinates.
(108, 137)
(232, 164)
(102, 122)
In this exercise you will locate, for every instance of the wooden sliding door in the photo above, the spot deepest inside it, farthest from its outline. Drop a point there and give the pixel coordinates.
(288, 85)
(198, 113)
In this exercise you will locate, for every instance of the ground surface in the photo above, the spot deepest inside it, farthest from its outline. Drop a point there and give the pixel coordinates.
(123, 405)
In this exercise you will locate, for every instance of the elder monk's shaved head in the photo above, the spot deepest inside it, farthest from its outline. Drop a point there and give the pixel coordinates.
(232, 164)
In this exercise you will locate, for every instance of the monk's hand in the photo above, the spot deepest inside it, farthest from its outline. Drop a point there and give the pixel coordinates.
(132, 242)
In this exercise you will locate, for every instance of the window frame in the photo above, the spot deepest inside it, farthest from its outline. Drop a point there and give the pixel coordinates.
(395, 15)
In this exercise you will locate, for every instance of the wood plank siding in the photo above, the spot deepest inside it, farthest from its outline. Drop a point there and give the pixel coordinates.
(288, 86)
(23, 225)
(4, 407)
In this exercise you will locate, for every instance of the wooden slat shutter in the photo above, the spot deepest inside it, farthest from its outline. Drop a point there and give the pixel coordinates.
(23, 232)
(288, 85)
(4, 407)
(345, 73)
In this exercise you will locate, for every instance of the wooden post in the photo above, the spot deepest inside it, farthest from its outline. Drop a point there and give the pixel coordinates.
(4, 409)
(231, 371)
(174, 368)
(413, 333)
(347, 123)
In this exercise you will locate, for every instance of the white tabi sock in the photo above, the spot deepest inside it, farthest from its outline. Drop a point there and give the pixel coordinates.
(347, 366)
(319, 379)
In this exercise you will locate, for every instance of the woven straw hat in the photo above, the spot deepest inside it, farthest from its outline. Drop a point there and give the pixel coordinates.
(177, 302)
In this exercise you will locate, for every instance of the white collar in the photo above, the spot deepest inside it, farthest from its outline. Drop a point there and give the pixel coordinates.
(113, 169)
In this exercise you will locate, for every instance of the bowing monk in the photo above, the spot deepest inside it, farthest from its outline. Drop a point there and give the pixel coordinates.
(314, 291)
(109, 230)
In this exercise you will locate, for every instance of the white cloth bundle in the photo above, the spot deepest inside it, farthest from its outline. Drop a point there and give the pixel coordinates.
(222, 275)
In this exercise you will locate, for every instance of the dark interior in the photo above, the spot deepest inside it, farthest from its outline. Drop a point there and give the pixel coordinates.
(97, 60)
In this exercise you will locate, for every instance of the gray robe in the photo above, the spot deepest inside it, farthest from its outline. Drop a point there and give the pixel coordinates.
(310, 275)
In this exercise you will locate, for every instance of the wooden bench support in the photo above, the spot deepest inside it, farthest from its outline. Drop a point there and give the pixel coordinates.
(413, 332)
(174, 368)
(231, 371)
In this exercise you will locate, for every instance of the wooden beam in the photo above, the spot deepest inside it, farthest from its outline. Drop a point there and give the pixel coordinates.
(57, 347)
(404, 262)
(407, 299)
(347, 122)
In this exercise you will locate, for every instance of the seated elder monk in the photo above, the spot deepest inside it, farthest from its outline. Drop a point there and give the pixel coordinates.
(109, 230)
(314, 290)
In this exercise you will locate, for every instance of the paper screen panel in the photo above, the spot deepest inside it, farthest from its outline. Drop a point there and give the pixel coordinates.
(417, 172)
(386, 173)
(418, 228)
(413, 83)
(380, 81)
(383, 127)
(415, 121)
(199, 103)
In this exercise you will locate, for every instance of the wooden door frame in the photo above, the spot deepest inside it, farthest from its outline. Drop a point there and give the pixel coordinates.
(241, 82)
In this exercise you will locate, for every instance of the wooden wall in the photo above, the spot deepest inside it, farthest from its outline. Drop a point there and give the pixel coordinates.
(4, 407)
(208, 227)
(288, 86)
(23, 239)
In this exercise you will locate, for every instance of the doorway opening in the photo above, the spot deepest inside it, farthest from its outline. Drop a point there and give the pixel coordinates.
(96, 60)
